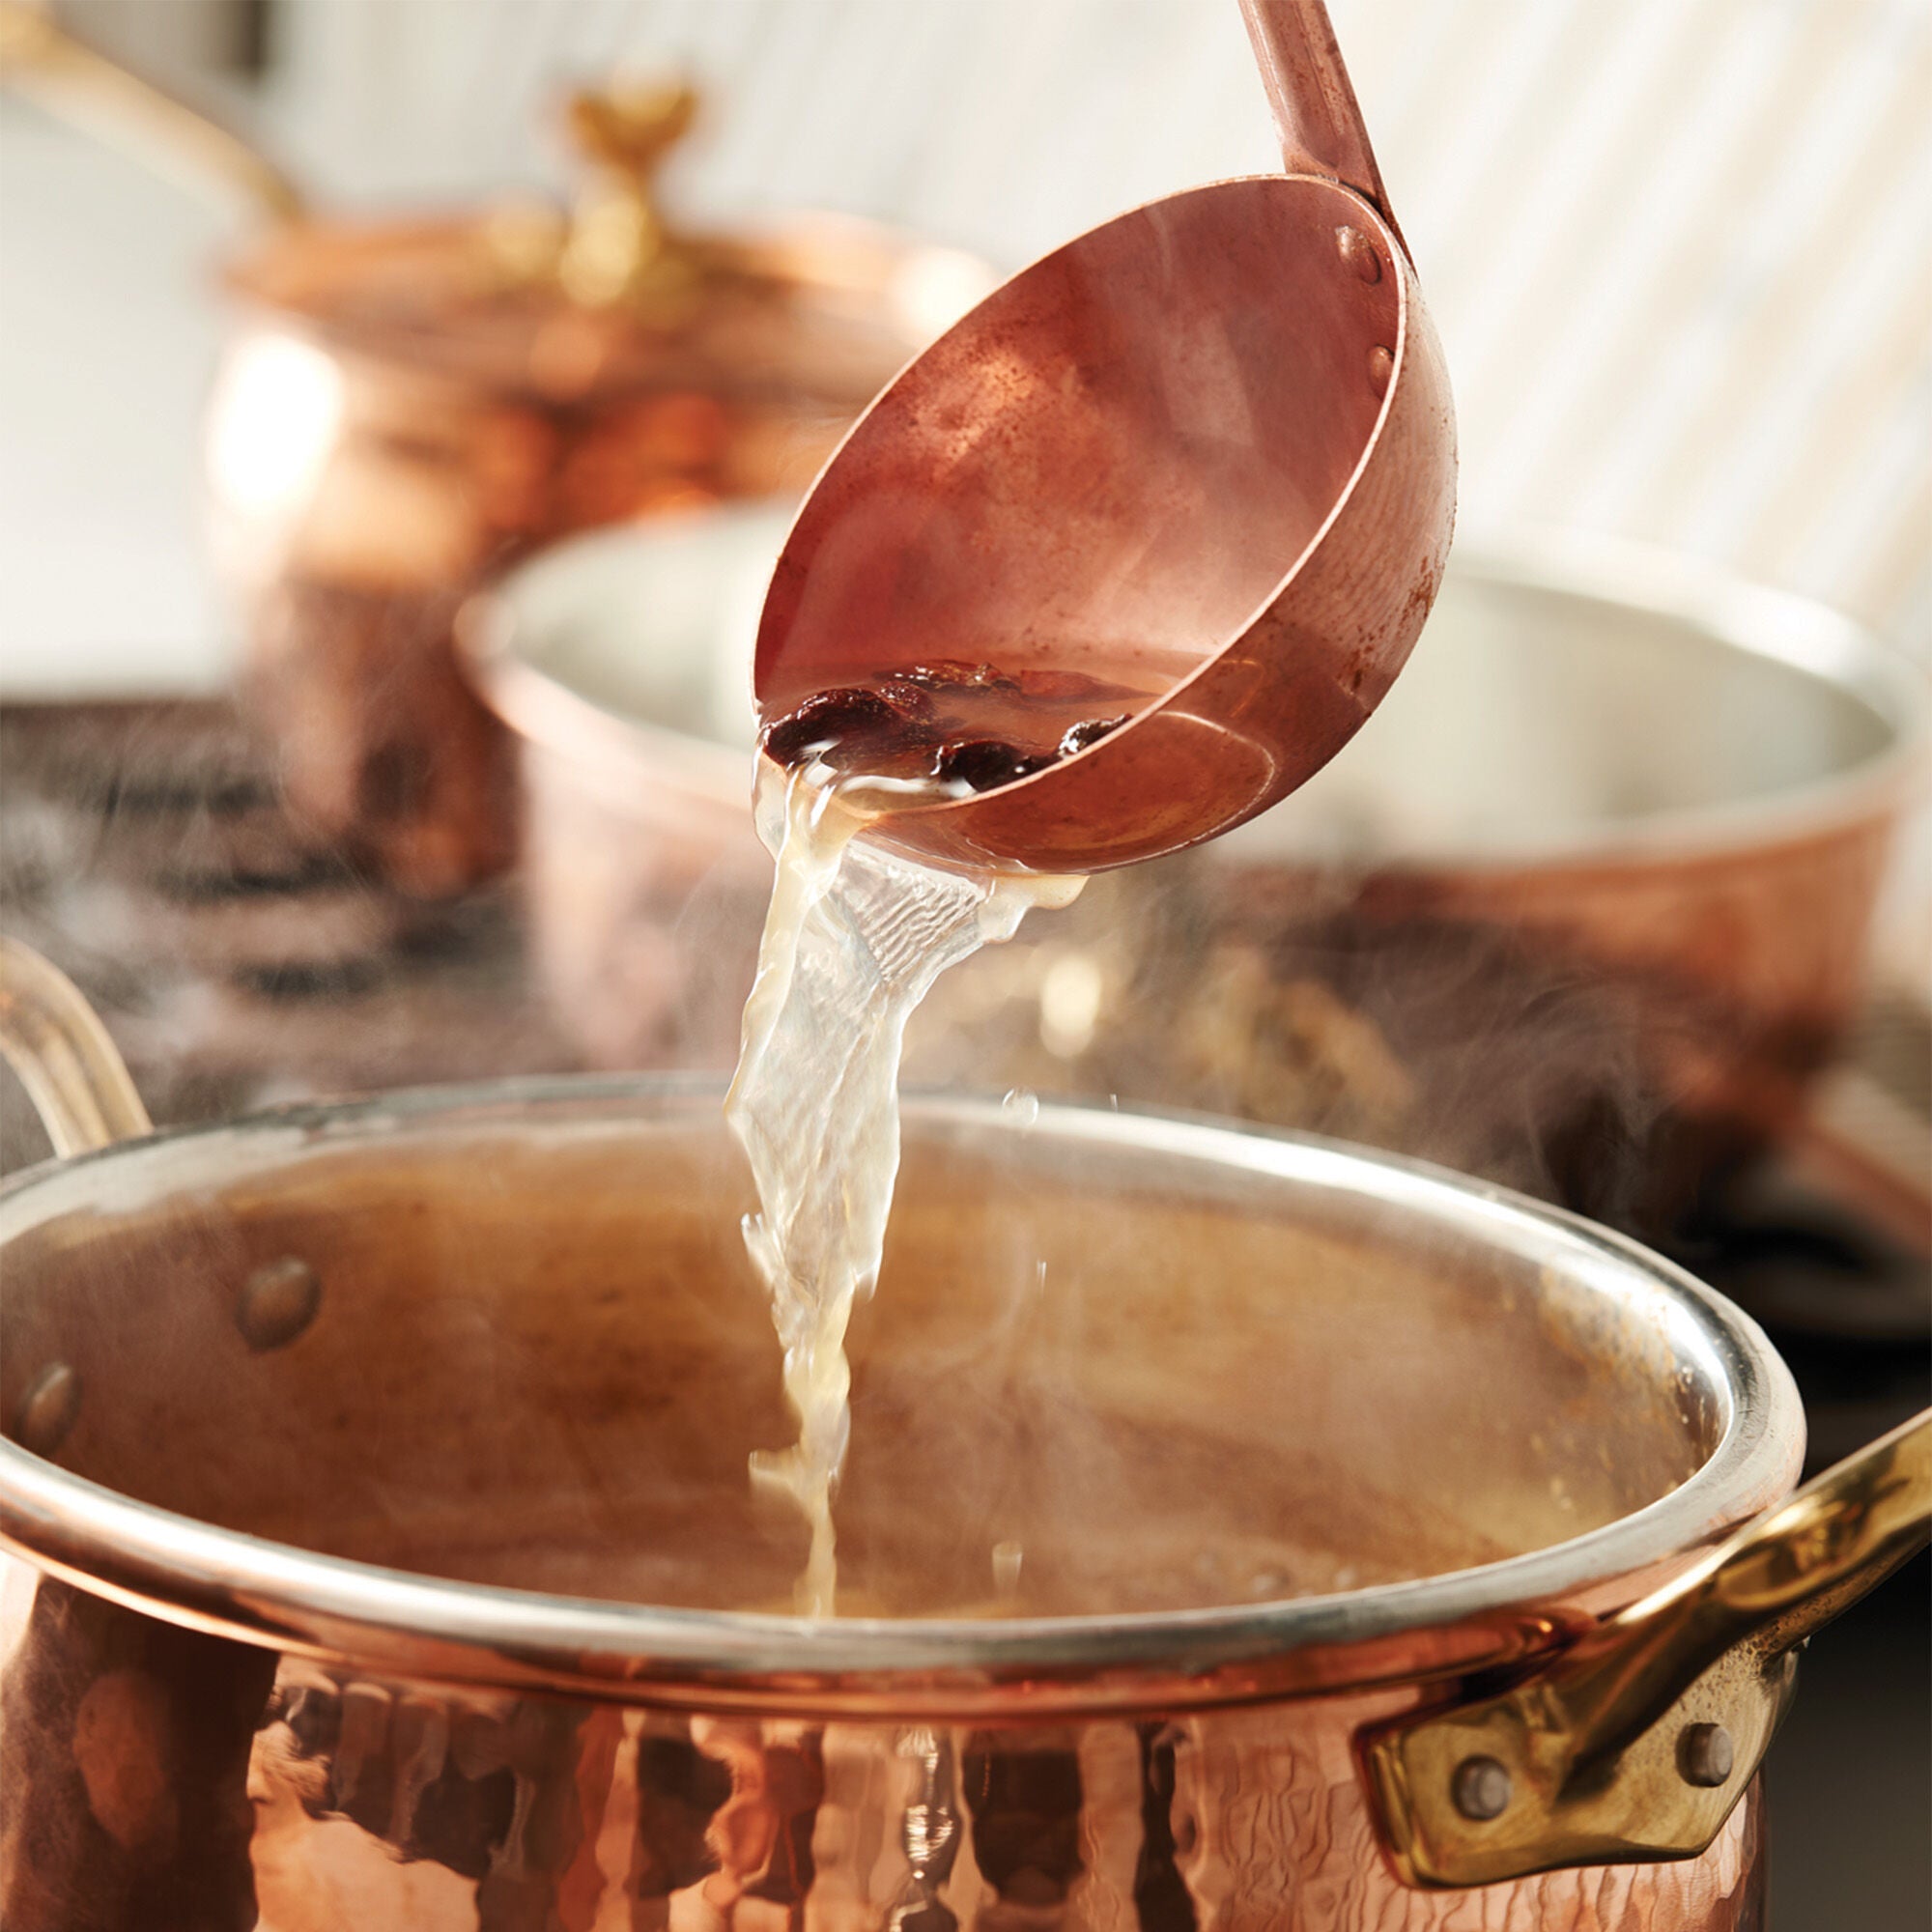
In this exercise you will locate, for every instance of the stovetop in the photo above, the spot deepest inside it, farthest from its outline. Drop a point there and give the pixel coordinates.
(241, 960)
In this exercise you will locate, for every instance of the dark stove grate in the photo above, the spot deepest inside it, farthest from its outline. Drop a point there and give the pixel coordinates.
(238, 958)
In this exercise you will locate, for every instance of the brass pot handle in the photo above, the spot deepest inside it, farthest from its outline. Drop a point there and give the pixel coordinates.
(54, 1041)
(1636, 1743)
(41, 59)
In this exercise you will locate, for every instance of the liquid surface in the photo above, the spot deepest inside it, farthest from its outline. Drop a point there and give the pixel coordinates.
(855, 935)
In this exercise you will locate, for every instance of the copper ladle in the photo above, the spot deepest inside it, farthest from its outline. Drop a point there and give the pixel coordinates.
(1213, 435)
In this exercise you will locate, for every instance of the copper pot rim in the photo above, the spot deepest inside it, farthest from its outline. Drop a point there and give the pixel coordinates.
(292, 272)
(620, 756)
(248, 1589)
(623, 754)
(1786, 628)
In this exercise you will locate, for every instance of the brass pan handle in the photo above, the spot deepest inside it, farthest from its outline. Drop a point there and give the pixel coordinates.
(1636, 1743)
(54, 1041)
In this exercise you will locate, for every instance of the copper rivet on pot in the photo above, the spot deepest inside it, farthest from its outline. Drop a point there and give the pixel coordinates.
(1481, 1789)
(1704, 1755)
(1382, 366)
(1359, 252)
(48, 1410)
(278, 1303)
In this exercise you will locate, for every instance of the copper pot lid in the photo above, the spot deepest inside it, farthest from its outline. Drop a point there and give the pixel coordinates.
(607, 296)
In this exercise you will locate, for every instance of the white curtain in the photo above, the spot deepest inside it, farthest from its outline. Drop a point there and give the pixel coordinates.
(1680, 251)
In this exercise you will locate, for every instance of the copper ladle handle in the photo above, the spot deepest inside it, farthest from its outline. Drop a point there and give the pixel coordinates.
(1637, 1742)
(54, 1041)
(1312, 98)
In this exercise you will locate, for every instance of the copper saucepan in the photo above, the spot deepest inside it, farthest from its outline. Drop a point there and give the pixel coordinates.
(1238, 1529)
(1586, 909)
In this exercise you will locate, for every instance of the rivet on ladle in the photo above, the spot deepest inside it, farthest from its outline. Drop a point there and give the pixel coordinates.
(277, 1302)
(1705, 1755)
(1382, 366)
(48, 1410)
(1359, 253)
(1481, 1789)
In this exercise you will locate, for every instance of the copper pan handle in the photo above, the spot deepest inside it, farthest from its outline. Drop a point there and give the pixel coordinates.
(1312, 98)
(54, 1041)
(42, 60)
(1637, 1743)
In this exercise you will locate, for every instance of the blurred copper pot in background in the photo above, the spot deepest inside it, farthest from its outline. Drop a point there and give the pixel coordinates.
(1585, 910)
(405, 407)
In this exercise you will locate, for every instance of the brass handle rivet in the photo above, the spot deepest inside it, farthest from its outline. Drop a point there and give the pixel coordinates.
(1481, 1789)
(1705, 1755)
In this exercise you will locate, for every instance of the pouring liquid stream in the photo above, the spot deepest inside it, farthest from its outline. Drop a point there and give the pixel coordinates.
(856, 934)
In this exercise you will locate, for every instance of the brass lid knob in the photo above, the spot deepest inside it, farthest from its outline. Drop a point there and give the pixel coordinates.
(619, 247)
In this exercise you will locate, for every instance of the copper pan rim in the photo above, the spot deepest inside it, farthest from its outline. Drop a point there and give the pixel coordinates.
(1824, 645)
(246, 1588)
(610, 751)
(623, 754)
(286, 273)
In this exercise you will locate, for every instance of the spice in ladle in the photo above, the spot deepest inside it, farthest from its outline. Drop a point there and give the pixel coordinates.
(963, 725)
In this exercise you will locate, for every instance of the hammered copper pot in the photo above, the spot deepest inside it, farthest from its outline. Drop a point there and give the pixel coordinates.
(1584, 908)
(403, 410)
(381, 1551)
(405, 406)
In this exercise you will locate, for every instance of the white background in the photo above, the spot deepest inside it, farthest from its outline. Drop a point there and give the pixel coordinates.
(1679, 250)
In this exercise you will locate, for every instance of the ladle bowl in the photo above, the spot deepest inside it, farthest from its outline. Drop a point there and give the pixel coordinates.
(1211, 442)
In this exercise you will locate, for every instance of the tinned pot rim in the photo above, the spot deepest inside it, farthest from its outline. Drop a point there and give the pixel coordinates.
(334, 1609)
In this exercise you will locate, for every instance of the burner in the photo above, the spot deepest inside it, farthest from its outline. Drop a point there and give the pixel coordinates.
(1848, 1305)
(238, 957)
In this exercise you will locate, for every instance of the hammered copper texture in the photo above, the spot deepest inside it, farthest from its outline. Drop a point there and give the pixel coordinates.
(380, 1803)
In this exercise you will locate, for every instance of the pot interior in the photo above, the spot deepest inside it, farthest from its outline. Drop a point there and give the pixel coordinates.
(1562, 710)
(1175, 1365)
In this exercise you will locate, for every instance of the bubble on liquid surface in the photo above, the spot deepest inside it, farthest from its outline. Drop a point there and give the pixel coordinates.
(1021, 1105)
